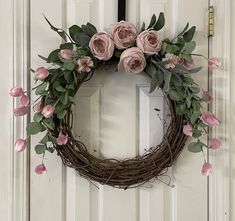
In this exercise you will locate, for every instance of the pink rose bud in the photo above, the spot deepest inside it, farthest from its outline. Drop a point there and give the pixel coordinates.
(206, 169)
(62, 139)
(207, 96)
(124, 34)
(24, 100)
(16, 92)
(188, 64)
(20, 111)
(20, 145)
(215, 143)
(48, 111)
(66, 54)
(214, 63)
(209, 119)
(102, 46)
(40, 169)
(41, 73)
(38, 107)
(132, 60)
(149, 42)
(188, 130)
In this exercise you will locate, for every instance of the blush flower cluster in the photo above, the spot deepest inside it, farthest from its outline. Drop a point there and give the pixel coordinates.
(134, 46)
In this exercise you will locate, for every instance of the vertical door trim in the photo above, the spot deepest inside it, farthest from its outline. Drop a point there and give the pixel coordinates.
(16, 15)
(219, 182)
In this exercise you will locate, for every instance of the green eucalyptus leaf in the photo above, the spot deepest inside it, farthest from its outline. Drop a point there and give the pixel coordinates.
(64, 98)
(34, 128)
(69, 65)
(160, 22)
(89, 29)
(50, 149)
(37, 117)
(168, 48)
(187, 57)
(71, 99)
(61, 114)
(53, 56)
(153, 21)
(194, 89)
(154, 83)
(188, 80)
(174, 95)
(195, 147)
(49, 123)
(45, 139)
(184, 30)
(41, 88)
(40, 149)
(60, 88)
(82, 39)
(188, 101)
(151, 69)
(67, 45)
(194, 117)
(188, 36)
(197, 133)
(74, 30)
(176, 79)
(142, 27)
(117, 53)
(189, 47)
(195, 70)
(167, 80)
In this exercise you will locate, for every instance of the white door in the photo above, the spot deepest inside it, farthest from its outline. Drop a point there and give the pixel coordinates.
(115, 117)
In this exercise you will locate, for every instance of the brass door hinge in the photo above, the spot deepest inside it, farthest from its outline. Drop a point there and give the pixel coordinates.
(211, 21)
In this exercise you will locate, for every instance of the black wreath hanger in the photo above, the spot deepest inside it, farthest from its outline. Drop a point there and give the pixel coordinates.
(121, 10)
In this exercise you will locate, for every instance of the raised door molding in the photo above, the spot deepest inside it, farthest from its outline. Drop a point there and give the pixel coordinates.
(220, 183)
(14, 23)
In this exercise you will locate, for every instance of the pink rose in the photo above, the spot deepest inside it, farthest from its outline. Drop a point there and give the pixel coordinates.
(206, 169)
(124, 34)
(149, 42)
(24, 100)
(48, 111)
(66, 54)
(102, 46)
(188, 64)
(207, 96)
(20, 111)
(16, 92)
(214, 63)
(172, 60)
(209, 119)
(85, 64)
(20, 145)
(40, 169)
(41, 73)
(188, 130)
(62, 139)
(132, 60)
(38, 107)
(215, 143)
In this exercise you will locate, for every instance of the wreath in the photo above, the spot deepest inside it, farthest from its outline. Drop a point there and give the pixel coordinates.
(168, 63)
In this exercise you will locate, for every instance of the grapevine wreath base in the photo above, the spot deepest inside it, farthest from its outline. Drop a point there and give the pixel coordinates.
(130, 172)
(167, 63)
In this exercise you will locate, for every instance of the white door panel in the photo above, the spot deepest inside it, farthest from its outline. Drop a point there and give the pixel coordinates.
(115, 117)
